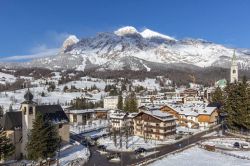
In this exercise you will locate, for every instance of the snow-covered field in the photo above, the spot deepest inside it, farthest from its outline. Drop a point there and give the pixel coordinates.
(6, 78)
(199, 157)
(241, 153)
(58, 96)
(69, 154)
(227, 143)
(72, 153)
(147, 83)
(134, 142)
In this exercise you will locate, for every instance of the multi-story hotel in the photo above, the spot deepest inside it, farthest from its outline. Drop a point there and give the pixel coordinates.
(154, 124)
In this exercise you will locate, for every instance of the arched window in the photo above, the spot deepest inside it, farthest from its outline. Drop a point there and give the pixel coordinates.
(24, 110)
(30, 111)
(234, 71)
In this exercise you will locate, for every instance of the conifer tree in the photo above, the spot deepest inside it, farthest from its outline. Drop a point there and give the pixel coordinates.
(44, 139)
(237, 106)
(217, 96)
(120, 102)
(1, 112)
(6, 147)
(131, 103)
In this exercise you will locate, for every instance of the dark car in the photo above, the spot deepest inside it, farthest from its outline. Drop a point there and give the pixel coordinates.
(102, 147)
(85, 143)
(113, 155)
(177, 137)
(237, 145)
(88, 143)
(140, 150)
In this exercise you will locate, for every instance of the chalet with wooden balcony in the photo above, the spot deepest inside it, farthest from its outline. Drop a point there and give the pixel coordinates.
(154, 124)
(193, 116)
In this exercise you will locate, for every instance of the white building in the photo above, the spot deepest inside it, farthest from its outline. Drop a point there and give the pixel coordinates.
(117, 119)
(110, 102)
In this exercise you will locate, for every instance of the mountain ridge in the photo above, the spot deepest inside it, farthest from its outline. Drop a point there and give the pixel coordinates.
(129, 49)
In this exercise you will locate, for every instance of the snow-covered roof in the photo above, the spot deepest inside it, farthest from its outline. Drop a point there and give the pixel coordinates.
(132, 115)
(163, 116)
(101, 109)
(80, 111)
(120, 115)
(193, 110)
(111, 97)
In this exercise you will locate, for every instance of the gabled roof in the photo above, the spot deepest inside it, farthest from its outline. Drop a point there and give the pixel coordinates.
(53, 113)
(162, 116)
(11, 120)
(192, 110)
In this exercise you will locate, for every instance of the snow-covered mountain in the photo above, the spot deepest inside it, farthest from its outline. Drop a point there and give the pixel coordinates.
(71, 40)
(127, 48)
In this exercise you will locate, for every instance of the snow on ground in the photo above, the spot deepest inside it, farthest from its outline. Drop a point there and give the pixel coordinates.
(95, 133)
(187, 130)
(15, 98)
(241, 153)
(214, 133)
(134, 142)
(199, 157)
(227, 143)
(87, 82)
(94, 125)
(6, 78)
(73, 152)
(147, 83)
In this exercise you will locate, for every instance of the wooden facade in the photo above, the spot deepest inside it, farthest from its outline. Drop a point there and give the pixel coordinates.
(151, 127)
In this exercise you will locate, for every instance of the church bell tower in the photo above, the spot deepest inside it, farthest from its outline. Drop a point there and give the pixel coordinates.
(234, 70)
(28, 116)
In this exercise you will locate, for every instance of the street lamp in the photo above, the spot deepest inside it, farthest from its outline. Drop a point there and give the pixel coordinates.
(58, 151)
(223, 116)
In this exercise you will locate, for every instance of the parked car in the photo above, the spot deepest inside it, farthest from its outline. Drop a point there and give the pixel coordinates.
(244, 145)
(72, 141)
(237, 145)
(88, 143)
(113, 155)
(102, 147)
(177, 137)
(140, 150)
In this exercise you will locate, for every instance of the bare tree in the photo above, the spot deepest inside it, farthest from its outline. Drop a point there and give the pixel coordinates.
(114, 137)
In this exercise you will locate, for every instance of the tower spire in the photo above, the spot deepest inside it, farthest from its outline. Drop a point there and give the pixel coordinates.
(234, 59)
(28, 96)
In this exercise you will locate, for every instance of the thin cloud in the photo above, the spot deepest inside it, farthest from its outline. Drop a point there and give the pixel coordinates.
(53, 39)
(37, 52)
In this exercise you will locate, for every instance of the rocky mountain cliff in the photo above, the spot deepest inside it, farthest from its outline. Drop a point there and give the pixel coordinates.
(127, 48)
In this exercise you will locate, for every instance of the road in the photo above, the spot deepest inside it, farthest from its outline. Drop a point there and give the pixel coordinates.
(128, 158)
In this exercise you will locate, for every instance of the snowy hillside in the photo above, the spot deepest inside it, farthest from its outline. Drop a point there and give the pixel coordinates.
(119, 49)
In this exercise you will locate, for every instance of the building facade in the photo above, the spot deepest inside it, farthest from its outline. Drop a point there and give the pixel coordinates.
(154, 124)
(189, 116)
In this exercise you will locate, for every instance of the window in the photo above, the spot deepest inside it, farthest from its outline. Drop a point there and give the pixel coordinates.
(74, 118)
(24, 110)
(234, 71)
(30, 111)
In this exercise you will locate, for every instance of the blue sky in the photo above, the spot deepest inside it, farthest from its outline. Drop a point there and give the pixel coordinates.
(32, 27)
